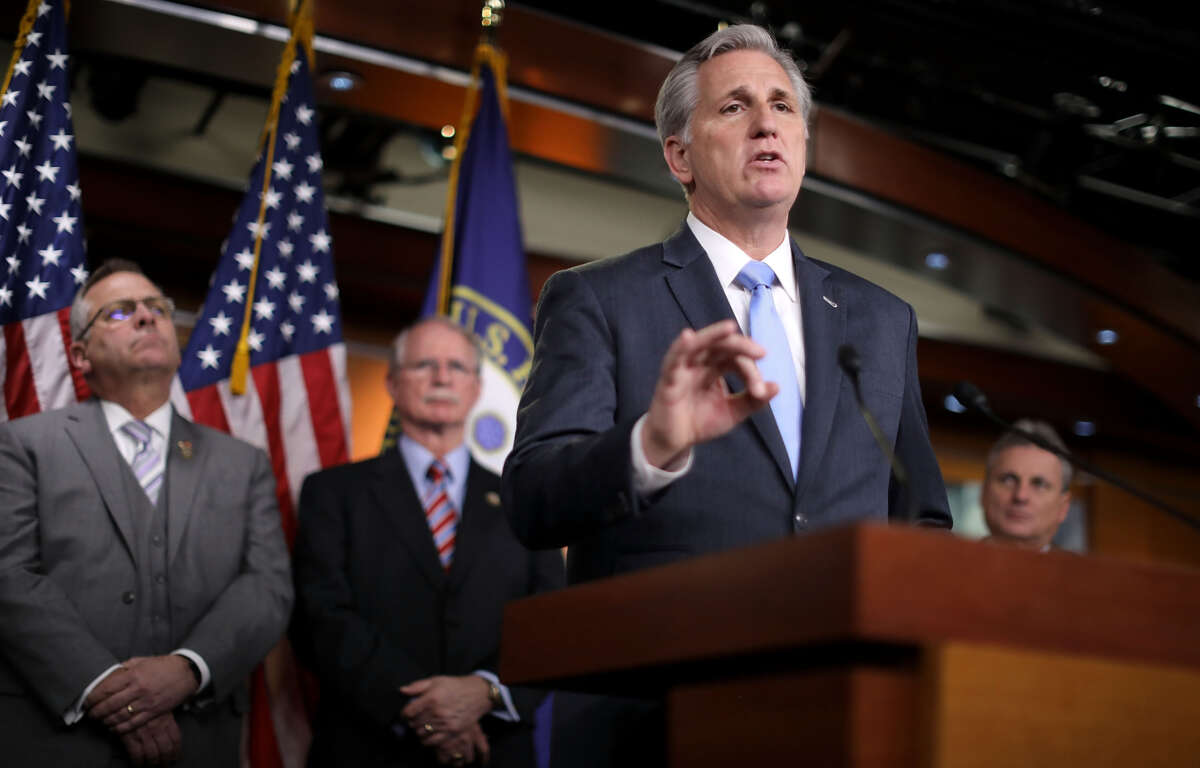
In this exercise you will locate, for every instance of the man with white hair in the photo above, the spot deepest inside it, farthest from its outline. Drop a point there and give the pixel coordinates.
(403, 565)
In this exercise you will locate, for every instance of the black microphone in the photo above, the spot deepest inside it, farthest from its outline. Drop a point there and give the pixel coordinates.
(970, 396)
(851, 365)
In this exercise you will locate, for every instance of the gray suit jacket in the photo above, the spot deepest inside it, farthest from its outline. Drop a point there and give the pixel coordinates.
(601, 332)
(69, 572)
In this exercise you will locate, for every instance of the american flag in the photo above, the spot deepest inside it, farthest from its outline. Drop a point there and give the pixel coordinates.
(296, 403)
(41, 220)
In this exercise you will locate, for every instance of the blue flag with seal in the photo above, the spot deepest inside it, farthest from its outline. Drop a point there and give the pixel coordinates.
(479, 280)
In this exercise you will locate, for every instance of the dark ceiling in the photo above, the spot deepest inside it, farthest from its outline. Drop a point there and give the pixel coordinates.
(1094, 105)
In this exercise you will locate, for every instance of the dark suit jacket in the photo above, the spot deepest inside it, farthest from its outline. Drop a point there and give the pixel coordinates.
(69, 570)
(375, 609)
(601, 332)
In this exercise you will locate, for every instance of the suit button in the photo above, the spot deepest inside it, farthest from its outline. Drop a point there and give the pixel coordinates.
(128, 598)
(801, 520)
(156, 540)
(160, 579)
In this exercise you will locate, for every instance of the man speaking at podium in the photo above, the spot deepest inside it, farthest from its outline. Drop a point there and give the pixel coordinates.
(685, 398)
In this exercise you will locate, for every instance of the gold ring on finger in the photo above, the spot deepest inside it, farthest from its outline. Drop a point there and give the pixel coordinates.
(428, 727)
(129, 708)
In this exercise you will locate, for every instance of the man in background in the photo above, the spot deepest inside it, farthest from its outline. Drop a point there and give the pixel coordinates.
(143, 572)
(1026, 491)
(403, 565)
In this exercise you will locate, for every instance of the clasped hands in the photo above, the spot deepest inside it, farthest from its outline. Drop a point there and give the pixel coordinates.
(444, 713)
(692, 403)
(136, 701)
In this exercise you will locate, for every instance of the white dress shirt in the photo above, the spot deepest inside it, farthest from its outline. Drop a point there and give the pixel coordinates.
(728, 260)
(159, 421)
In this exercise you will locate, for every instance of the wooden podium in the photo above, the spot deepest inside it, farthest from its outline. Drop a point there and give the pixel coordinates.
(885, 646)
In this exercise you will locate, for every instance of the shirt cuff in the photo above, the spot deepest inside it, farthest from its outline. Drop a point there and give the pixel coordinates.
(199, 662)
(75, 713)
(509, 713)
(648, 478)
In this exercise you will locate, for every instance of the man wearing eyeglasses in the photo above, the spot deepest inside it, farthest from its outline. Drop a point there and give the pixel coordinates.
(403, 565)
(143, 573)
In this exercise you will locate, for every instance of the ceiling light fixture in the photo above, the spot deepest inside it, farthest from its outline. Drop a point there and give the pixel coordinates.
(937, 260)
(1107, 337)
(1085, 428)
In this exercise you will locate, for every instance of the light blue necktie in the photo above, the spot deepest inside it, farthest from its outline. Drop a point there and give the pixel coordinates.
(767, 329)
(147, 462)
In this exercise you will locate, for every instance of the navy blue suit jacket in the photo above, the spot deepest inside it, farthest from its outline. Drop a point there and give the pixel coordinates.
(600, 335)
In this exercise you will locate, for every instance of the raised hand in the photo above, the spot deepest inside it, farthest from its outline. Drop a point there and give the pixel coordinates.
(692, 403)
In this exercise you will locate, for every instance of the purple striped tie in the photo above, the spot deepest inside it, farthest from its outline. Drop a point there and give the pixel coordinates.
(439, 512)
(147, 462)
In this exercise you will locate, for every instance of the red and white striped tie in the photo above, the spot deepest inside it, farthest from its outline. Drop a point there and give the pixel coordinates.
(439, 512)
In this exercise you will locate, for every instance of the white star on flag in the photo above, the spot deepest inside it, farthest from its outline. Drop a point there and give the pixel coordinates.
(259, 230)
(22, 67)
(283, 169)
(23, 147)
(50, 255)
(314, 163)
(331, 291)
(33, 38)
(286, 248)
(264, 309)
(13, 264)
(46, 172)
(297, 302)
(295, 220)
(62, 139)
(255, 340)
(37, 288)
(46, 91)
(273, 198)
(307, 272)
(322, 322)
(35, 203)
(9, 98)
(276, 277)
(3, 125)
(13, 176)
(304, 192)
(234, 292)
(23, 233)
(304, 114)
(65, 223)
(74, 191)
(292, 140)
(4, 208)
(320, 241)
(43, 9)
(220, 323)
(35, 120)
(287, 329)
(58, 60)
(80, 274)
(209, 357)
(244, 259)
(5, 295)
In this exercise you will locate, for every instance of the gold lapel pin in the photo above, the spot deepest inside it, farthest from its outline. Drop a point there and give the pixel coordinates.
(492, 498)
(185, 448)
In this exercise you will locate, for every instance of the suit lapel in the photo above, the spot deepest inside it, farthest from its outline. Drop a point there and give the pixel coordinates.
(186, 459)
(703, 302)
(480, 512)
(824, 331)
(398, 502)
(89, 432)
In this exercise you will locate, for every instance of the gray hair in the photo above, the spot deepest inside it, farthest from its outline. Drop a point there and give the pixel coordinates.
(680, 92)
(1012, 439)
(81, 308)
(396, 360)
